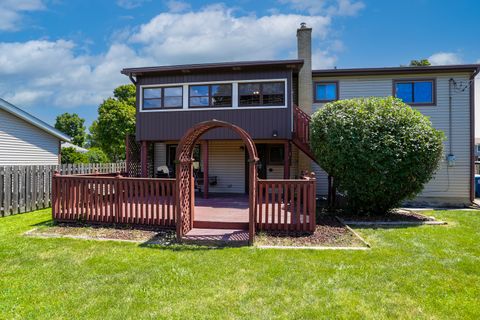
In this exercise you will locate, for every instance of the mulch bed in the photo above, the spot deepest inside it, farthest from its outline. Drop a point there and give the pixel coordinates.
(398, 215)
(329, 233)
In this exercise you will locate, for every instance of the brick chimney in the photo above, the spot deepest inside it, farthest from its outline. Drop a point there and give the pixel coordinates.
(305, 85)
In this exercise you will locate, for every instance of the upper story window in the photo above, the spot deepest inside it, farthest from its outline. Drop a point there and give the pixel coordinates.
(326, 91)
(415, 92)
(162, 98)
(261, 94)
(212, 95)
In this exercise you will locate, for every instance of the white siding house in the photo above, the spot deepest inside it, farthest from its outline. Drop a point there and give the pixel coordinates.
(26, 140)
(451, 184)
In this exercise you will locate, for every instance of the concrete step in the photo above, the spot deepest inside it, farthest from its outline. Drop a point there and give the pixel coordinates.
(204, 236)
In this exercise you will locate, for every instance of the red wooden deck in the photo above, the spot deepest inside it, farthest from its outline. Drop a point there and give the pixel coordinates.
(281, 205)
(222, 212)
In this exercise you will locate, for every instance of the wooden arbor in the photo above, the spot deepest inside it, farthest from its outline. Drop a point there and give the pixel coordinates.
(185, 191)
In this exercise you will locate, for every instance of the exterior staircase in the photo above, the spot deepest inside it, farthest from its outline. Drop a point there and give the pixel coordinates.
(301, 132)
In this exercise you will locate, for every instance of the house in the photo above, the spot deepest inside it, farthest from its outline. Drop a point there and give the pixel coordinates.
(261, 98)
(238, 132)
(26, 140)
(477, 149)
(66, 144)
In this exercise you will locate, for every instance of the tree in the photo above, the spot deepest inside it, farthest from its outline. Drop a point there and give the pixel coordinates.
(72, 125)
(70, 155)
(116, 119)
(420, 63)
(380, 151)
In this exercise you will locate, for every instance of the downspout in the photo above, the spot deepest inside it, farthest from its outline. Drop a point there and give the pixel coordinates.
(472, 133)
(134, 81)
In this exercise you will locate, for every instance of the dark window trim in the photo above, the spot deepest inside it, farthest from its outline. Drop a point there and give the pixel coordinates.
(209, 85)
(162, 98)
(420, 104)
(261, 95)
(337, 90)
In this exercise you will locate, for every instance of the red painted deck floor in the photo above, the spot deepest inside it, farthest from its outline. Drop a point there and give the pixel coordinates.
(222, 208)
(220, 219)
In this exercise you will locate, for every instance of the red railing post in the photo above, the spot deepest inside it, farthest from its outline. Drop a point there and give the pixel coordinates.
(55, 196)
(117, 195)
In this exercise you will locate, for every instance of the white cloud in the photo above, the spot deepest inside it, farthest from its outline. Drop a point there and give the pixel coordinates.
(444, 58)
(177, 6)
(327, 7)
(53, 73)
(11, 12)
(130, 4)
(323, 60)
(50, 73)
(216, 34)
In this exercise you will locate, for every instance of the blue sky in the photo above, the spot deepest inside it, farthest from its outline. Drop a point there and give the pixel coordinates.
(65, 56)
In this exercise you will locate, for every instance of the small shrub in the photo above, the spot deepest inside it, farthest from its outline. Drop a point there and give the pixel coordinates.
(380, 151)
(70, 155)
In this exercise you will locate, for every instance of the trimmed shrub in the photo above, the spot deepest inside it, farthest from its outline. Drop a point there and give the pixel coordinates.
(70, 155)
(380, 151)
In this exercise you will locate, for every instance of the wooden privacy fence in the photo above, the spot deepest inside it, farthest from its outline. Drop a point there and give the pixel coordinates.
(28, 188)
(286, 205)
(108, 199)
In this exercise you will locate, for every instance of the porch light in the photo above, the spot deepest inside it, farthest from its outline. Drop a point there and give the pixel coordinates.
(275, 133)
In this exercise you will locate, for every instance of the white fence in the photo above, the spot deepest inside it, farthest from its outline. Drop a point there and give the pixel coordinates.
(28, 188)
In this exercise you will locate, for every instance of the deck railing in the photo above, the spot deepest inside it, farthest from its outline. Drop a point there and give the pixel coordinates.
(301, 126)
(109, 199)
(286, 205)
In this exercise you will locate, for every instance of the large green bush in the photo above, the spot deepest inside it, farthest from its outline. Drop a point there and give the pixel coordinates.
(380, 151)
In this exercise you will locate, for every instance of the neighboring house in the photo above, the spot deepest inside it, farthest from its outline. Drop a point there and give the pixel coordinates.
(26, 140)
(477, 149)
(74, 146)
(261, 98)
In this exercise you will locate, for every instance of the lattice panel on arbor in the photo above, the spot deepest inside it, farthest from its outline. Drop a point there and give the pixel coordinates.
(184, 156)
(132, 149)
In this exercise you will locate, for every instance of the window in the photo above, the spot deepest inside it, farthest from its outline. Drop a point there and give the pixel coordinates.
(415, 92)
(158, 98)
(326, 91)
(214, 95)
(276, 154)
(261, 94)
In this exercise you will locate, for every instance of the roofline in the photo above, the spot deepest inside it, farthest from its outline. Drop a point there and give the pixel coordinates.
(295, 64)
(472, 68)
(19, 113)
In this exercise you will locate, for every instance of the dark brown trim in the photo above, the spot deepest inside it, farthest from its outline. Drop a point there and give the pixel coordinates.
(162, 99)
(261, 83)
(337, 90)
(215, 67)
(410, 80)
(209, 85)
(287, 159)
(470, 68)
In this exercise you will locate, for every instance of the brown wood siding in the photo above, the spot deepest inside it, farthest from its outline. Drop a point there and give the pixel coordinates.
(259, 123)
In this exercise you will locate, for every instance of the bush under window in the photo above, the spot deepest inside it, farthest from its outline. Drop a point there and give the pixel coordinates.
(380, 151)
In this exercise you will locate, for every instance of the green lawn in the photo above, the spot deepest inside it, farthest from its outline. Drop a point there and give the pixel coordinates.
(430, 272)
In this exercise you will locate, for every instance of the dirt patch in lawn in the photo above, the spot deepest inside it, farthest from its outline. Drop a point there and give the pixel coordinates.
(97, 232)
(328, 233)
